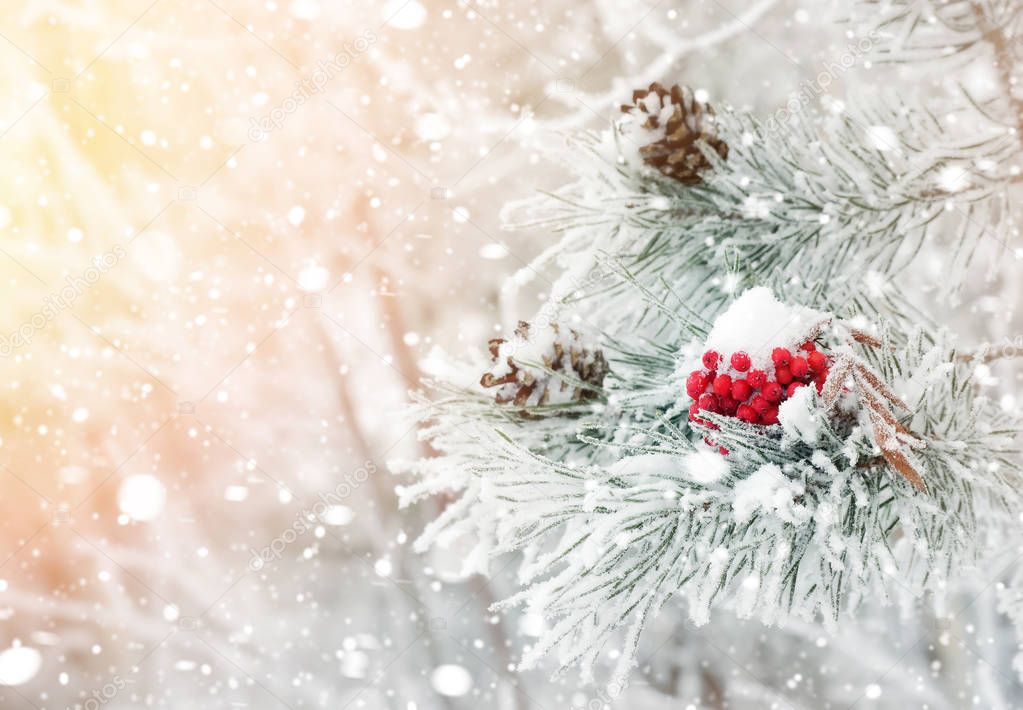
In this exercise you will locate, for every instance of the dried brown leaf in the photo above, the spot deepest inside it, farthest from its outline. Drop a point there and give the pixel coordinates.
(898, 461)
(832, 389)
(865, 338)
(867, 375)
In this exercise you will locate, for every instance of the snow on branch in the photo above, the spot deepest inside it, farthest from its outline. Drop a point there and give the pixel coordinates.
(813, 201)
(929, 30)
(756, 419)
(637, 504)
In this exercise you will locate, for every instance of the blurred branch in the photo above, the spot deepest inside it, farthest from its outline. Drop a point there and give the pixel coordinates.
(1005, 63)
(382, 495)
(657, 70)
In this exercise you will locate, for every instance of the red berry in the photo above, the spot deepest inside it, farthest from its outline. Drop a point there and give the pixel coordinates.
(741, 390)
(759, 404)
(740, 361)
(752, 397)
(727, 405)
(708, 402)
(695, 384)
(781, 356)
(747, 414)
(723, 451)
(722, 385)
(819, 379)
(817, 361)
(799, 367)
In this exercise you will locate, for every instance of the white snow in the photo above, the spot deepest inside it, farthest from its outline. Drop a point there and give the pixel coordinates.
(19, 665)
(652, 464)
(305, 9)
(883, 138)
(771, 491)
(337, 515)
(953, 179)
(383, 567)
(533, 349)
(313, 278)
(354, 663)
(142, 497)
(236, 493)
(706, 466)
(404, 14)
(755, 207)
(757, 322)
(296, 215)
(433, 127)
(493, 251)
(451, 680)
(799, 416)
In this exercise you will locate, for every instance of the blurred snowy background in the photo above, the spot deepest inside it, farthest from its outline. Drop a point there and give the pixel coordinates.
(231, 233)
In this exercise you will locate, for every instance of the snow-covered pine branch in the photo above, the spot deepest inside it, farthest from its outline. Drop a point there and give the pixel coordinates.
(814, 200)
(932, 30)
(926, 32)
(776, 431)
(802, 520)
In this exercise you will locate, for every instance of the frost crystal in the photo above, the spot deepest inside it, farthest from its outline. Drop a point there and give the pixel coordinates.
(800, 417)
(769, 490)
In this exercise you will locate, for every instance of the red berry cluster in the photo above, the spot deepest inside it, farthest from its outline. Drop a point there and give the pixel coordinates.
(753, 396)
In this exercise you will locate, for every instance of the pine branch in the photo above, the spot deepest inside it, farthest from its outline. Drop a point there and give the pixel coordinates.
(625, 501)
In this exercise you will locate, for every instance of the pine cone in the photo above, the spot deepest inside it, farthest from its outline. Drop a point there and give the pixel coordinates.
(676, 153)
(528, 386)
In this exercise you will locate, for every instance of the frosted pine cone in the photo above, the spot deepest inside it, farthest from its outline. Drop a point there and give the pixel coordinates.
(528, 386)
(680, 121)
